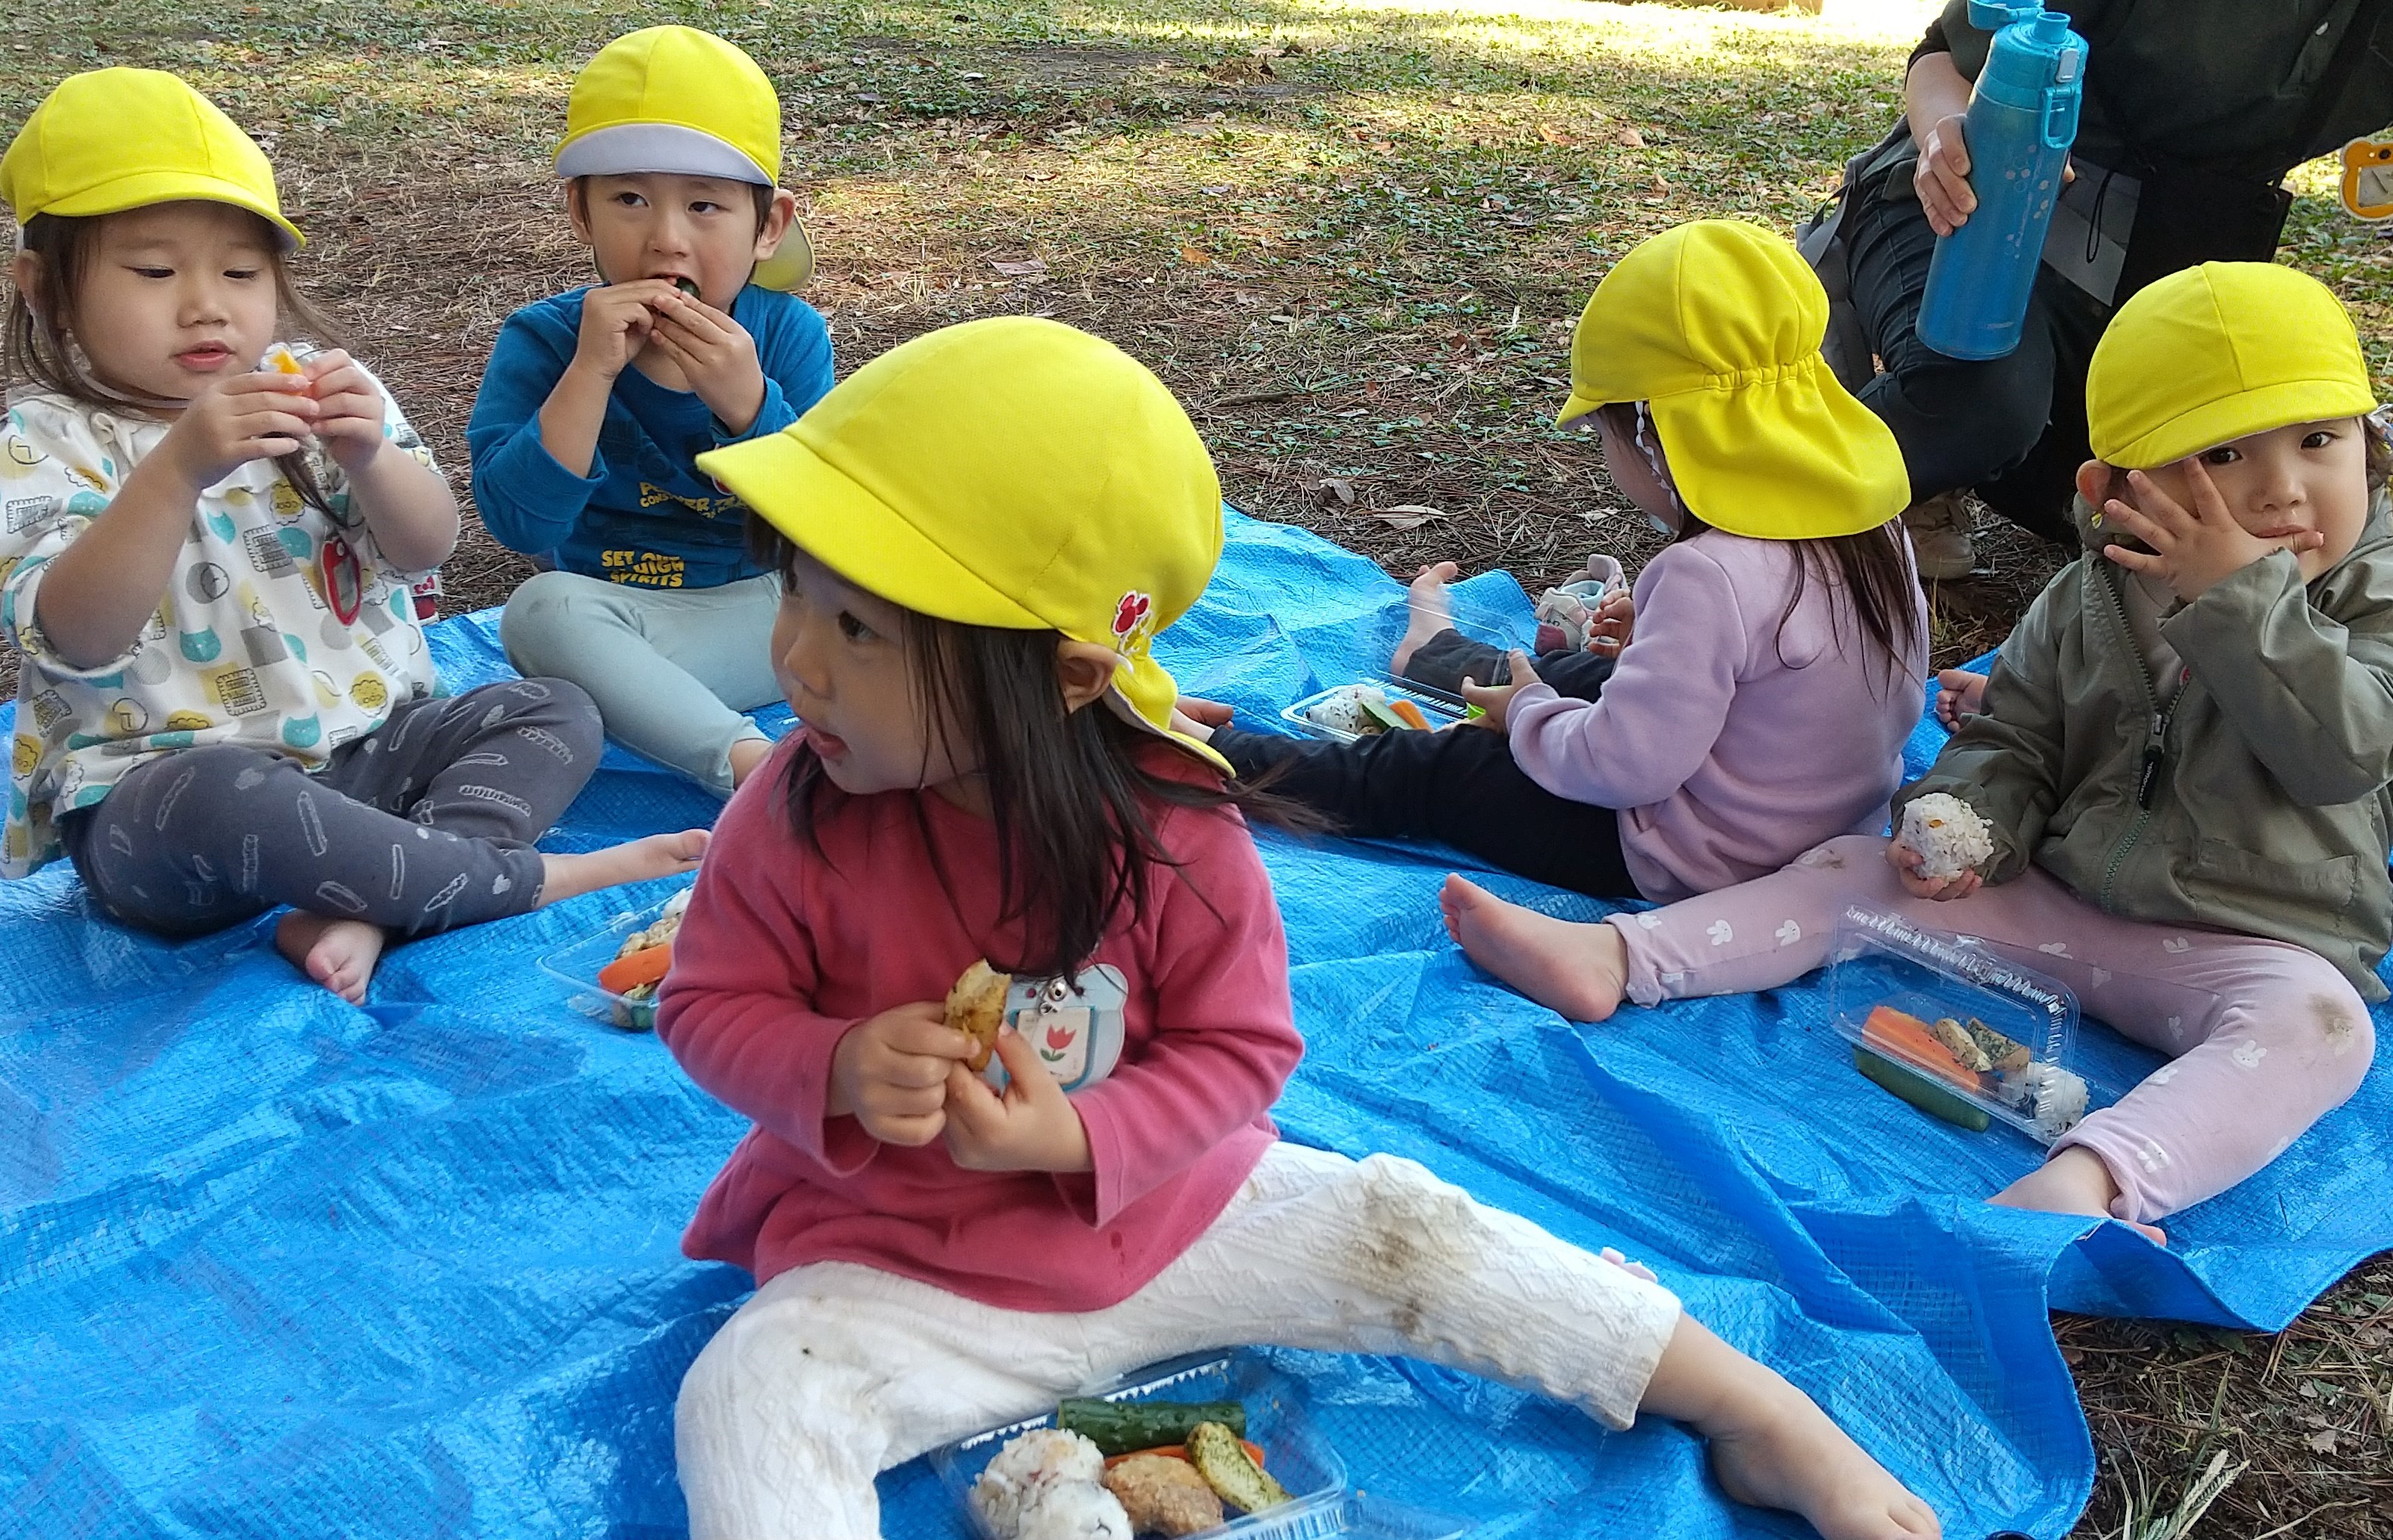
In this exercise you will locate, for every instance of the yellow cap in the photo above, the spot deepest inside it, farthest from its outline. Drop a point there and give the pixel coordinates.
(1717, 324)
(2214, 353)
(679, 100)
(109, 140)
(671, 99)
(1010, 472)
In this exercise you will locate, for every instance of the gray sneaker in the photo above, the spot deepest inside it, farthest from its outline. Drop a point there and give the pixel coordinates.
(1940, 538)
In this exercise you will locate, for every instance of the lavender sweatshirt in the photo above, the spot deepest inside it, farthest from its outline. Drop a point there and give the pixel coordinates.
(1729, 746)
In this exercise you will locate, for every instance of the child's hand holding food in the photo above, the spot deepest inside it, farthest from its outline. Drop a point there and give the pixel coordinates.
(716, 353)
(889, 1073)
(1030, 1126)
(1907, 862)
(255, 415)
(350, 408)
(1494, 701)
(616, 321)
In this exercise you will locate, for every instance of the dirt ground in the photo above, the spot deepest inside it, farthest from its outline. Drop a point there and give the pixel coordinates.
(1352, 237)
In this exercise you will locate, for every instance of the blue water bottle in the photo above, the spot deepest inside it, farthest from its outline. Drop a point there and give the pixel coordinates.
(2022, 119)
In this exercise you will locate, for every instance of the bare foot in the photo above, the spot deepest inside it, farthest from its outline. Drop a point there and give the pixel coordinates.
(1783, 1452)
(1578, 971)
(2074, 1181)
(1771, 1447)
(338, 953)
(1428, 610)
(746, 754)
(634, 861)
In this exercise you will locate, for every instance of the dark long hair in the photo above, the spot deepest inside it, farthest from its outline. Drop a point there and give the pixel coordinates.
(39, 346)
(1871, 569)
(1073, 801)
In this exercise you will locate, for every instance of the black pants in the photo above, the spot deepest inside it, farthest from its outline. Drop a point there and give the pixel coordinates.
(2012, 428)
(424, 824)
(1460, 786)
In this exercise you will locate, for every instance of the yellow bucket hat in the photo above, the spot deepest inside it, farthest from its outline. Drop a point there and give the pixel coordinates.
(107, 141)
(2214, 353)
(1717, 325)
(1011, 472)
(679, 100)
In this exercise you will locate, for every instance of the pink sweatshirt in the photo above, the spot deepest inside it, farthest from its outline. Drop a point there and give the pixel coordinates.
(783, 951)
(1729, 747)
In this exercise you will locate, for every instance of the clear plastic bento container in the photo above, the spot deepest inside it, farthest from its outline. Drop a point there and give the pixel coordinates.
(1955, 1027)
(1320, 1504)
(1325, 713)
(576, 966)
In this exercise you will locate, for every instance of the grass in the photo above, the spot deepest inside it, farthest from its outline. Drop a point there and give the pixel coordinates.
(1353, 235)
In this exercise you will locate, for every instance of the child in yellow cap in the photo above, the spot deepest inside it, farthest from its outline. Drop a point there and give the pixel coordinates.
(1780, 639)
(2182, 763)
(224, 698)
(988, 774)
(597, 402)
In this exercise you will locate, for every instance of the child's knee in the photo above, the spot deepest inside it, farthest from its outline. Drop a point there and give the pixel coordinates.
(546, 620)
(2315, 1020)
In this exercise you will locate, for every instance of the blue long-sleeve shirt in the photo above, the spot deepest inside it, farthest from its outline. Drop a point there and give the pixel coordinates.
(644, 514)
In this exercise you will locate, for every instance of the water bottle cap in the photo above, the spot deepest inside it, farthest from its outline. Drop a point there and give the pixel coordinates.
(2051, 26)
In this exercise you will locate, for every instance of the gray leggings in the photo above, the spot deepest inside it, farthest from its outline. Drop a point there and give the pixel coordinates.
(422, 825)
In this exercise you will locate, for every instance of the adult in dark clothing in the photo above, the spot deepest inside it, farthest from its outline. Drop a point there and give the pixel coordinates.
(2193, 113)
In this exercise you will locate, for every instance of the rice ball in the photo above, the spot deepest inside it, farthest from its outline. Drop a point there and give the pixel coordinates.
(1011, 1483)
(1947, 835)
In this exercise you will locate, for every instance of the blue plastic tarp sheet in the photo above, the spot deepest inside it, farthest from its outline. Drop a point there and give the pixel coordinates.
(271, 1265)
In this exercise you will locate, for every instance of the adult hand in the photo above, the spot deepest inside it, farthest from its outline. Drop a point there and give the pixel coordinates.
(1495, 701)
(349, 409)
(255, 415)
(1942, 178)
(1196, 717)
(890, 1071)
(1905, 862)
(2192, 549)
(1031, 1127)
(715, 355)
(617, 319)
(1959, 693)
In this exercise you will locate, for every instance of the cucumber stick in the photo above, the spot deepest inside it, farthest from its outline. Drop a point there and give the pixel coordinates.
(1921, 1092)
(1127, 1427)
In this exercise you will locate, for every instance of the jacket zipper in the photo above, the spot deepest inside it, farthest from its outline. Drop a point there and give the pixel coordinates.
(2148, 773)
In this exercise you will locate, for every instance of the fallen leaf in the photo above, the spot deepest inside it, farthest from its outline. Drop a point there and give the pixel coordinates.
(1631, 139)
(1335, 492)
(1406, 515)
(1659, 184)
(2310, 1390)
(1195, 257)
(1035, 268)
(2322, 1442)
(1551, 135)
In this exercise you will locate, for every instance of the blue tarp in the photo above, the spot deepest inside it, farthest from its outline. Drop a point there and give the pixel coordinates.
(274, 1266)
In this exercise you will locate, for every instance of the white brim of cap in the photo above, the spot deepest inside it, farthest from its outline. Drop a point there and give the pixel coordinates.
(629, 149)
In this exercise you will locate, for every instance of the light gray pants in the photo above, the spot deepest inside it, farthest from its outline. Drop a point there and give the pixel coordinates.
(671, 668)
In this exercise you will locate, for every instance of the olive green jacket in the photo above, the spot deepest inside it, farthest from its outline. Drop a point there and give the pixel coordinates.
(2257, 803)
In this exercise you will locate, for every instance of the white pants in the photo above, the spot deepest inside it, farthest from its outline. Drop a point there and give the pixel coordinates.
(833, 1373)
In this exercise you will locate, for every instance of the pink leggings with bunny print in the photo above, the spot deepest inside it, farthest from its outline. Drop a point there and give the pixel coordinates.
(2287, 1040)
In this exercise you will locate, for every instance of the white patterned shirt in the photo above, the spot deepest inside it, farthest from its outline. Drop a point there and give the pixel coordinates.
(268, 633)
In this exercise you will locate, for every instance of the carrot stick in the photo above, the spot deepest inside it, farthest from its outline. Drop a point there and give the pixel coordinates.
(645, 966)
